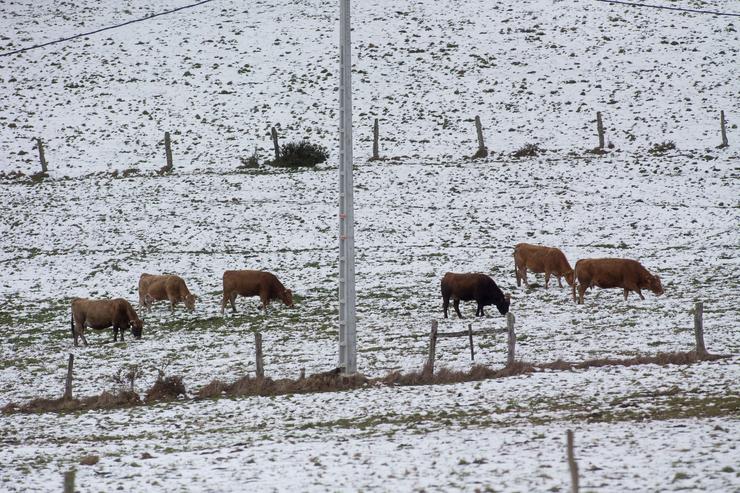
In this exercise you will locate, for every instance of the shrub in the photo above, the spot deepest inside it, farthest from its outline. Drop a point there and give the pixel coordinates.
(529, 150)
(295, 154)
(662, 148)
(252, 161)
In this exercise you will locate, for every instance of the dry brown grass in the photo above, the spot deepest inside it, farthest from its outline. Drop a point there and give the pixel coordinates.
(445, 376)
(170, 388)
(662, 359)
(106, 400)
(165, 389)
(330, 381)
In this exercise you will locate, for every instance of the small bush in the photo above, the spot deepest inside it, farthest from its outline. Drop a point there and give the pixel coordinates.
(529, 150)
(165, 389)
(295, 154)
(252, 161)
(662, 148)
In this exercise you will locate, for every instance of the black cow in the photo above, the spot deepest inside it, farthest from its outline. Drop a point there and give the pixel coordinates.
(478, 287)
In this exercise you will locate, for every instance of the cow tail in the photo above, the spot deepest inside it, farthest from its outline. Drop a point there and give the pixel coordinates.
(575, 281)
(72, 323)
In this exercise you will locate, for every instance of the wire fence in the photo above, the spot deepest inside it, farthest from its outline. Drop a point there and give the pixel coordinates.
(665, 7)
(108, 28)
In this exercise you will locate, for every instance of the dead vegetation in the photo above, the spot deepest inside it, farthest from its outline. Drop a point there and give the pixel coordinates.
(330, 381)
(529, 150)
(167, 389)
(662, 359)
(163, 390)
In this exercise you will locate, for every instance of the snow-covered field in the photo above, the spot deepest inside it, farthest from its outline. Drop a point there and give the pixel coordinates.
(218, 77)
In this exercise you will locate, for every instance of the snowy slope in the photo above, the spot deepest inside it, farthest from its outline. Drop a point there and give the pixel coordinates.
(218, 76)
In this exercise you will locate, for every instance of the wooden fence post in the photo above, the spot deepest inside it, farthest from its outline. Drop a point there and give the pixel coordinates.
(429, 366)
(600, 129)
(572, 465)
(275, 143)
(258, 349)
(68, 383)
(69, 481)
(470, 336)
(512, 338)
(482, 150)
(724, 131)
(42, 158)
(701, 349)
(376, 150)
(168, 152)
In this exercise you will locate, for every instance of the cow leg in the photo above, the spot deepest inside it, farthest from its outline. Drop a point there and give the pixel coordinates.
(79, 330)
(640, 293)
(456, 305)
(445, 304)
(581, 289)
(173, 302)
(148, 300)
(224, 300)
(82, 336)
(518, 277)
(524, 275)
(232, 300)
(265, 300)
(547, 279)
(75, 332)
(560, 284)
(626, 293)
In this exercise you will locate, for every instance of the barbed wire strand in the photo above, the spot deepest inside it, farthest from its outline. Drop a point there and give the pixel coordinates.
(680, 9)
(108, 28)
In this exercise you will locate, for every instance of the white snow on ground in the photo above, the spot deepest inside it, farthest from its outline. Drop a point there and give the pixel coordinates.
(218, 77)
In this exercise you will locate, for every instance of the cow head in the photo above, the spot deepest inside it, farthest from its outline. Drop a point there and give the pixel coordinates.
(655, 286)
(503, 307)
(190, 302)
(287, 297)
(137, 326)
(569, 277)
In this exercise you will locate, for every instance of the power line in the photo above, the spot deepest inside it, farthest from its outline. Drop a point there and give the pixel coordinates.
(680, 9)
(21, 50)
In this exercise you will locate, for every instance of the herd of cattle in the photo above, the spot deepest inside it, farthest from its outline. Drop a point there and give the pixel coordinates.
(606, 273)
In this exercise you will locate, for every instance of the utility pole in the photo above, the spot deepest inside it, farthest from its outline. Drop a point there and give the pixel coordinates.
(347, 328)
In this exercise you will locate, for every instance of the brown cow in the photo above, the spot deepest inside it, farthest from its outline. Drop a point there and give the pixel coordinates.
(540, 259)
(165, 287)
(101, 314)
(478, 287)
(254, 283)
(614, 273)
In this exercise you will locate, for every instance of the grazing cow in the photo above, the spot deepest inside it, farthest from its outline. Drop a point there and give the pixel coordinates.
(540, 259)
(478, 287)
(101, 314)
(254, 283)
(614, 273)
(166, 287)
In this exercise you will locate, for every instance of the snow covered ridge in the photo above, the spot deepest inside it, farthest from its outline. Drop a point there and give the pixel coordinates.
(219, 76)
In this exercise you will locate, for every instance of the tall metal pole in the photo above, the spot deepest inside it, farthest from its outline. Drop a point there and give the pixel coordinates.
(347, 329)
